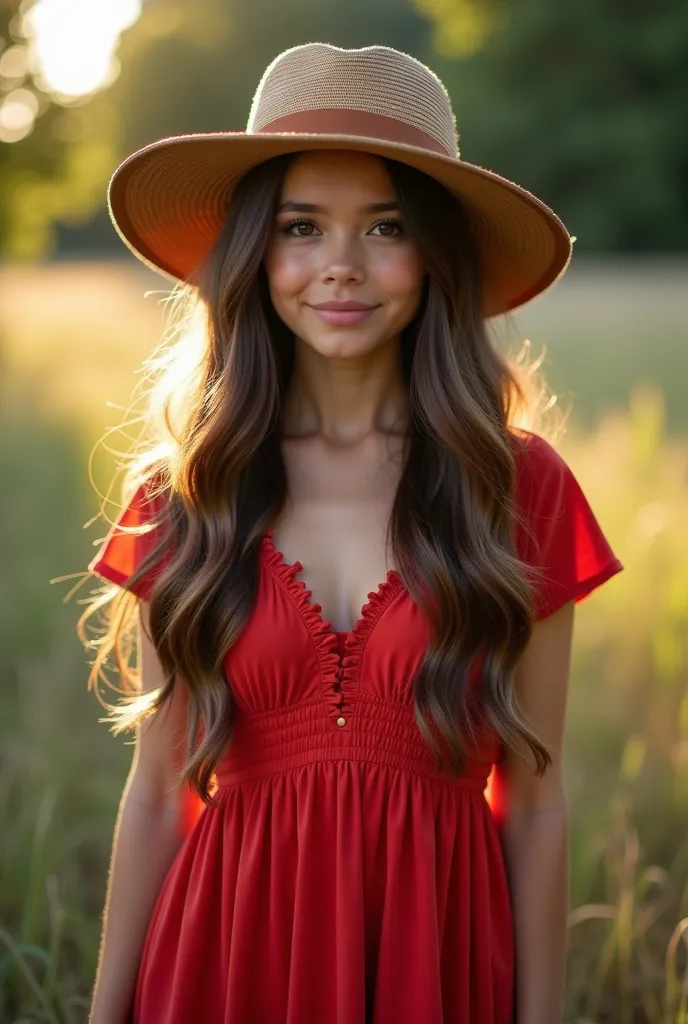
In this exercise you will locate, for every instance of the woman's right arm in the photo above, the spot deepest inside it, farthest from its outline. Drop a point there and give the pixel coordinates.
(147, 836)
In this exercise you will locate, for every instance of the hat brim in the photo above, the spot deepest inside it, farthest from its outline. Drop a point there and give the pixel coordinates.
(168, 202)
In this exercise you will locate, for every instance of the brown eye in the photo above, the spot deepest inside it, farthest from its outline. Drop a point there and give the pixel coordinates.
(297, 223)
(391, 223)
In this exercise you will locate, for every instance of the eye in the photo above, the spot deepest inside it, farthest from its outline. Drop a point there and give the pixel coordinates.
(390, 222)
(293, 223)
(393, 222)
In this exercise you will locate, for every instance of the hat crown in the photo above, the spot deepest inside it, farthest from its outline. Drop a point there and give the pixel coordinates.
(372, 79)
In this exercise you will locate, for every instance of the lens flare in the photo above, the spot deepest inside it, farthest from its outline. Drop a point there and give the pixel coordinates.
(73, 42)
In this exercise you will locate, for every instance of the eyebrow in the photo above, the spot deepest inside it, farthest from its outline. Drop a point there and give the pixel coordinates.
(296, 206)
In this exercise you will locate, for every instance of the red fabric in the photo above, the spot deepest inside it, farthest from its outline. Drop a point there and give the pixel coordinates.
(562, 537)
(342, 880)
(120, 553)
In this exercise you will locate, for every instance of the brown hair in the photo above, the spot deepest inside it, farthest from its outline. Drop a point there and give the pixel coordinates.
(214, 408)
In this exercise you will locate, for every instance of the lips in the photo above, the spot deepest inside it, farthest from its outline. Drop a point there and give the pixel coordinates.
(343, 317)
(343, 306)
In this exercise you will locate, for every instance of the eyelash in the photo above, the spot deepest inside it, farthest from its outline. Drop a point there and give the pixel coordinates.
(304, 220)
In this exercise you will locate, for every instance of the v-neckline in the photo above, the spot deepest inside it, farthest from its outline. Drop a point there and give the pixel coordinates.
(340, 661)
(376, 600)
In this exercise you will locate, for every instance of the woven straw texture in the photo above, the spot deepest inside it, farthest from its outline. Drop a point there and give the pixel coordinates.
(374, 79)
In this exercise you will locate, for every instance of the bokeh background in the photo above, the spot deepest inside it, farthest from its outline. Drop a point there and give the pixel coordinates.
(584, 104)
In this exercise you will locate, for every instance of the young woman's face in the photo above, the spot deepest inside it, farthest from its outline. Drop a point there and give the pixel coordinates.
(342, 251)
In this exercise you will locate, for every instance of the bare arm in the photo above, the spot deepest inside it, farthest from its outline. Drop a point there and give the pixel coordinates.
(533, 815)
(147, 836)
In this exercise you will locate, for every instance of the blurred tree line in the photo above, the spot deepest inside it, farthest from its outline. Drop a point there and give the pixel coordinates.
(583, 104)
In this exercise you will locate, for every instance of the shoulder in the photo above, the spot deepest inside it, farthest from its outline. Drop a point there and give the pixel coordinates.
(539, 468)
(149, 498)
(533, 452)
(548, 500)
(556, 529)
(133, 536)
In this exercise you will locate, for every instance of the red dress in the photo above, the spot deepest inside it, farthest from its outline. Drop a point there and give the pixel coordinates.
(341, 880)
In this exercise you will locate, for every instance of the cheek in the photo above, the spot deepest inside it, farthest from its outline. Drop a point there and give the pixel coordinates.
(286, 271)
(401, 274)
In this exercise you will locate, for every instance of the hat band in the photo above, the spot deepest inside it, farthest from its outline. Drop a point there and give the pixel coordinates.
(335, 121)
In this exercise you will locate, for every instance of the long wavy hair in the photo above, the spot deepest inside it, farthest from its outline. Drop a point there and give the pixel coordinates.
(210, 449)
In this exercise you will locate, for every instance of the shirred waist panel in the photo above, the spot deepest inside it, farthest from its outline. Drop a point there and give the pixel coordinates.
(378, 732)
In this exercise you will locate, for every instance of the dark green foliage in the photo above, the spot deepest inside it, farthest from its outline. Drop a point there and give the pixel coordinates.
(584, 105)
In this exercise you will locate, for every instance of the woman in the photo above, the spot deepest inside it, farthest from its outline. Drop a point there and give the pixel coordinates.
(346, 419)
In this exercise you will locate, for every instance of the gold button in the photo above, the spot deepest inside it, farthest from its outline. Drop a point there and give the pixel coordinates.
(341, 721)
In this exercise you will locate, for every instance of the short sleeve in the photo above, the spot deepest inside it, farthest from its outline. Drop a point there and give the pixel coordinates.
(122, 552)
(561, 536)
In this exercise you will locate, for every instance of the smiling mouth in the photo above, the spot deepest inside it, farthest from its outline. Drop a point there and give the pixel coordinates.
(342, 317)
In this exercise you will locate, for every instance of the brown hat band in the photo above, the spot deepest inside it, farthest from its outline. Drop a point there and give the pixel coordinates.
(334, 121)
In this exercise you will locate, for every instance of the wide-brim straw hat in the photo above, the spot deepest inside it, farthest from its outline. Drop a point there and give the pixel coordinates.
(169, 200)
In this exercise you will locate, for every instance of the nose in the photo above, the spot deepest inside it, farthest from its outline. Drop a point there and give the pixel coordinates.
(342, 259)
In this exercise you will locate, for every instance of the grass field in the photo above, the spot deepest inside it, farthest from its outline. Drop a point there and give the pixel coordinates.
(71, 337)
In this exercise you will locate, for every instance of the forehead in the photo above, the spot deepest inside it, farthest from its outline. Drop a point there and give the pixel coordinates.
(336, 173)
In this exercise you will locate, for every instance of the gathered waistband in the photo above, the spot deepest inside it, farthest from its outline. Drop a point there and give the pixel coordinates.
(379, 732)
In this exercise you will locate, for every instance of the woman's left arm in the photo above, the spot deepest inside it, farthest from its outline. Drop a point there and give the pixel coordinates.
(532, 814)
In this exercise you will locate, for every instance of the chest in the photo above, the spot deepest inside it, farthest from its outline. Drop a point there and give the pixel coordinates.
(335, 523)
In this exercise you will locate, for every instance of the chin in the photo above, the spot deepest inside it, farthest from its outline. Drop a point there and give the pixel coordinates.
(344, 343)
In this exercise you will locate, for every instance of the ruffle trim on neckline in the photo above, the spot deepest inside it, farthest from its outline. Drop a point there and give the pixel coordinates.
(355, 641)
(340, 677)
